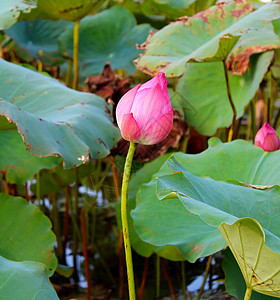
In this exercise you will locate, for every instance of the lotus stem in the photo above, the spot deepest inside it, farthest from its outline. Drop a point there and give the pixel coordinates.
(270, 97)
(76, 55)
(26, 192)
(38, 188)
(157, 276)
(66, 218)
(248, 294)
(205, 277)
(68, 73)
(230, 134)
(168, 279)
(127, 246)
(144, 277)
(40, 64)
(84, 235)
(253, 119)
(183, 280)
(115, 178)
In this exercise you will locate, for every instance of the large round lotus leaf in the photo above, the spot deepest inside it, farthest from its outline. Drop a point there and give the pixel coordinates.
(108, 36)
(154, 220)
(205, 108)
(53, 119)
(25, 280)
(36, 35)
(144, 175)
(70, 10)
(10, 11)
(234, 281)
(173, 9)
(19, 164)
(25, 233)
(217, 202)
(258, 263)
(228, 31)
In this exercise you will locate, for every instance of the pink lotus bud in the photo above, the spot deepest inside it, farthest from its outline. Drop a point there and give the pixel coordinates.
(144, 114)
(267, 138)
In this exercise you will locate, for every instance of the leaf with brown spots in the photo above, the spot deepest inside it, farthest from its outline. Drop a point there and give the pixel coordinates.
(53, 119)
(259, 264)
(70, 10)
(228, 31)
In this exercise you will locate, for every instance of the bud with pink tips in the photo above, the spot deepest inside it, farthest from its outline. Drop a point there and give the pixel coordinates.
(144, 114)
(267, 138)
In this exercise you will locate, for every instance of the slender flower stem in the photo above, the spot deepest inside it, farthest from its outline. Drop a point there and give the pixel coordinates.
(115, 178)
(40, 64)
(253, 119)
(26, 192)
(205, 277)
(157, 276)
(127, 246)
(76, 55)
(38, 188)
(270, 97)
(144, 278)
(248, 294)
(168, 279)
(183, 280)
(84, 234)
(230, 134)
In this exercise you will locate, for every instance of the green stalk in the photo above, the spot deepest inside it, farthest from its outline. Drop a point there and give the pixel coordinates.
(157, 276)
(204, 277)
(248, 294)
(269, 98)
(183, 280)
(68, 73)
(230, 133)
(253, 119)
(76, 55)
(38, 189)
(127, 246)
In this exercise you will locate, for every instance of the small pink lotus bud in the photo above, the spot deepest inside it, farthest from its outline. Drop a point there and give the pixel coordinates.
(267, 138)
(144, 114)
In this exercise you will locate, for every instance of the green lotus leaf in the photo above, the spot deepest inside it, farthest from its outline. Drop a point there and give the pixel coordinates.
(11, 10)
(258, 263)
(25, 280)
(174, 9)
(19, 164)
(142, 176)
(25, 233)
(234, 281)
(108, 36)
(207, 110)
(53, 119)
(228, 31)
(238, 160)
(70, 10)
(217, 202)
(31, 37)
